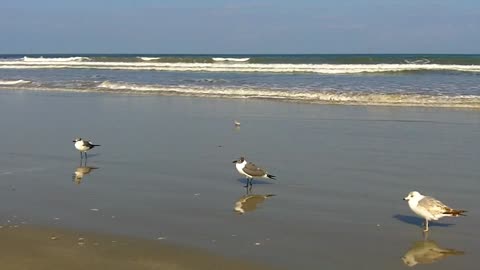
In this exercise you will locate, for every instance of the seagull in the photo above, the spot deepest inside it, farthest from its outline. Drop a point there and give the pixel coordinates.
(250, 170)
(83, 146)
(426, 252)
(237, 124)
(249, 203)
(430, 208)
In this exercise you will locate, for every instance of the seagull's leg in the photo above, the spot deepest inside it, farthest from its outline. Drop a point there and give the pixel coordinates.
(247, 183)
(426, 225)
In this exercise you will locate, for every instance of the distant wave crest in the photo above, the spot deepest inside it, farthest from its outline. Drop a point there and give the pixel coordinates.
(148, 58)
(418, 61)
(230, 59)
(13, 82)
(57, 59)
(76, 63)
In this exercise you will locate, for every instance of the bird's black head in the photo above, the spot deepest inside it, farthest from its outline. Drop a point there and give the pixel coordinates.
(77, 139)
(240, 160)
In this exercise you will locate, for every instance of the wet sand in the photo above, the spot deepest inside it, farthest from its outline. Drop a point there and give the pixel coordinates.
(164, 170)
(42, 248)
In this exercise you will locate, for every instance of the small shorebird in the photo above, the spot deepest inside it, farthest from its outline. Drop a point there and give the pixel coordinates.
(249, 203)
(236, 123)
(430, 208)
(83, 146)
(250, 170)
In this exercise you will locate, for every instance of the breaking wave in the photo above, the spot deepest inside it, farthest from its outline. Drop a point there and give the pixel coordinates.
(302, 96)
(52, 59)
(229, 59)
(240, 67)
(419, 61)
(148, 58)
(13, 82)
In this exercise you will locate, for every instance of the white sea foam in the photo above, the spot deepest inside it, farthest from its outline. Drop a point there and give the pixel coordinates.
(230, 59)
(13, 82)
(52, 63)
(419, 61)
(50, 59)
(148, 58)
(323, 97)
(326, 97)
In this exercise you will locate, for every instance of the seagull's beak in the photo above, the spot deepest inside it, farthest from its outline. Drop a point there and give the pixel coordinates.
(234, 161)
(405, 199)
(73, 141)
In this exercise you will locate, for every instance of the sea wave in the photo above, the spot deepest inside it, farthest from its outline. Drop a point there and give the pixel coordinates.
(418, 61)
(55, 63)
(230, 59)
(324, 97)
(148, 58)
(54, 59)
(13, 82)
(302, 96)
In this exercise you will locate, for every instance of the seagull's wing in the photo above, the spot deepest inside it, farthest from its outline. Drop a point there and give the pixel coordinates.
(433, 206)
(87, 144)
(253, 170)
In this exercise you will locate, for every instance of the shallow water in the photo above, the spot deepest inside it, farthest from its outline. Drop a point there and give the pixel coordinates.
(164, 170)
(390, 80)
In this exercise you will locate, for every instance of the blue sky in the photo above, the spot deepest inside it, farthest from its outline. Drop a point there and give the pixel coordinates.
(241, 26)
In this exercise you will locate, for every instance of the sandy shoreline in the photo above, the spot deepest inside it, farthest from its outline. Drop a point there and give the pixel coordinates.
(164, 170)
(27, 247)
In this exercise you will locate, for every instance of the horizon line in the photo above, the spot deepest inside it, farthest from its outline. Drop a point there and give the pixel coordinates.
(199, 54)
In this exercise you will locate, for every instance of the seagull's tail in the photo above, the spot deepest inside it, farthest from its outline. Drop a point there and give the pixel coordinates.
(269, 195)
(93, 145)
(271, 176)
(455, 213)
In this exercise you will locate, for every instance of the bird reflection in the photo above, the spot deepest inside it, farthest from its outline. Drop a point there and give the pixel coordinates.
(250, 202)
(426, 252)
(81, 171)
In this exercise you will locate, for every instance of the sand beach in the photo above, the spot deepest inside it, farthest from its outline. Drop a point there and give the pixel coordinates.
(163, 176)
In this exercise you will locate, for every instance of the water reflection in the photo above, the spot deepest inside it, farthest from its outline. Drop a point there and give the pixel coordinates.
(250, 202)
(81, 172)
(426, 252)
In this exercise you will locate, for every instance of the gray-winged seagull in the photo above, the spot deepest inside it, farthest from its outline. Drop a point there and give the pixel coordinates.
(430, 208)
(251, 170)
(83, 146)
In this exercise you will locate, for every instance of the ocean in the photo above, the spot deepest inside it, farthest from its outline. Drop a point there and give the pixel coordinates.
(429, 80)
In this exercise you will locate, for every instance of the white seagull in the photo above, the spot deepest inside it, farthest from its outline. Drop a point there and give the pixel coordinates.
(236, 123)
(251, 170)
(83, 146)
(430, 208)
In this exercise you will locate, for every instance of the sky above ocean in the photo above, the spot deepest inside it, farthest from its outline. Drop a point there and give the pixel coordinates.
(247, 26)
